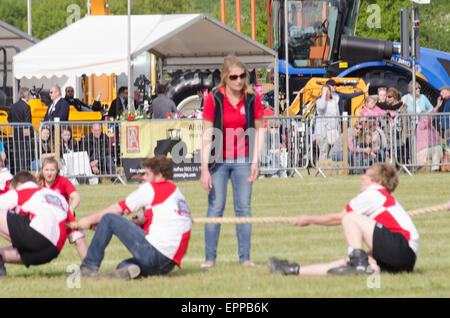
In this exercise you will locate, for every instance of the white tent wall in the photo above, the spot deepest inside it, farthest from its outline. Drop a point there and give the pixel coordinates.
(47, 83)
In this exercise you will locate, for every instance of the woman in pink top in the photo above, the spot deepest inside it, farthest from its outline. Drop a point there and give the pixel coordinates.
(428, 143)
(371, 108)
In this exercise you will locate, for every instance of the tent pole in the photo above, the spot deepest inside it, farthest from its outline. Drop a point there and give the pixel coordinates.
(130, 87)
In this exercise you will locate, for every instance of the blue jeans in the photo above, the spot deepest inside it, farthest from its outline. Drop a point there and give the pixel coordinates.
(238, 171)
(148, 258)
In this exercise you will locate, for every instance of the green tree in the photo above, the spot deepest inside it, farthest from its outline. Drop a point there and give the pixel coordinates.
(120, 7)
(434, 17)
(14, 12)
(50, 16)
(380, 19)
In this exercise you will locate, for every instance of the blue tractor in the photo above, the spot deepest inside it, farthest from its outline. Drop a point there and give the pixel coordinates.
(321, 43)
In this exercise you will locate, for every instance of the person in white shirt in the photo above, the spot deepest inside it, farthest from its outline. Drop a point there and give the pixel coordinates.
(5, 177)
(373, 217)
(158, 240)
(34, 220)
(327, 130)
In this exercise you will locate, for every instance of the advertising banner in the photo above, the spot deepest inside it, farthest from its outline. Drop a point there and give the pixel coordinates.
(178, 139)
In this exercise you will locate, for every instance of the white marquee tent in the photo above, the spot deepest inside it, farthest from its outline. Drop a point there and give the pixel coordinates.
(98, 44)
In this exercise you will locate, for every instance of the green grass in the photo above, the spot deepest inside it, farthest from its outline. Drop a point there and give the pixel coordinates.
(271, 197)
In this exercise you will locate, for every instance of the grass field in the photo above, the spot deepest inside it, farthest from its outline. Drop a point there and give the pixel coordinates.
(271, 197)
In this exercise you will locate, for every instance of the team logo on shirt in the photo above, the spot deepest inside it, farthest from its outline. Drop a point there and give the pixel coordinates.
(133, 139)
(183, 208)
(242, 111)
(53, 200)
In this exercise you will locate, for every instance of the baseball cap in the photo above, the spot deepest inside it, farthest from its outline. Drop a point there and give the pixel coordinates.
(331, 82)
(446, 87)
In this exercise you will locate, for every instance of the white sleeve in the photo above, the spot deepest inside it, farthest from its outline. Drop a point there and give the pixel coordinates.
(9, 200)
(140, 198)
(321, 104)
(367, 202)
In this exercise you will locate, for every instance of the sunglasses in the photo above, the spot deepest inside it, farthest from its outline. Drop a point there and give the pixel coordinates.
(235, 77)
(389, 96)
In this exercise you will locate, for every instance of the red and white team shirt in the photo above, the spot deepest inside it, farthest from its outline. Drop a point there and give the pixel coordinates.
(167, 217)
(377, 203)
(5, 177)
(63, 186)
(48, 210)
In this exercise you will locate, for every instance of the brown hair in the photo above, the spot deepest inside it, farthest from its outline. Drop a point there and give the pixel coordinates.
(20, 178)
(159, 164)
(232, 61)
(41, 179)
(395, 93)
(386, 174)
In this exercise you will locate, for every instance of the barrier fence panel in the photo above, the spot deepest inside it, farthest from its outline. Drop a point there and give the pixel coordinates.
(285, 148)
(349, 144)
(422, 142)
(90, 151)
(87, 151)
(18, 146)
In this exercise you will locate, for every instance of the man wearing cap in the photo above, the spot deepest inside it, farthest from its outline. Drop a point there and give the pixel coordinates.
(343, 96)
(445, 123)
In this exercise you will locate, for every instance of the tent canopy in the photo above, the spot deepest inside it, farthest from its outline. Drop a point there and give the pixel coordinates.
(98, 45)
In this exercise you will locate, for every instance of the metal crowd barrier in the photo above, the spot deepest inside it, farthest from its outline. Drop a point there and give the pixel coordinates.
(349, 144)
(285, 148)
(422, 141)
(19, 145)
(88, 151)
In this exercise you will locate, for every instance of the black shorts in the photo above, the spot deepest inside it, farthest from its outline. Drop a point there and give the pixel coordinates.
(33, 247)
(392, 251)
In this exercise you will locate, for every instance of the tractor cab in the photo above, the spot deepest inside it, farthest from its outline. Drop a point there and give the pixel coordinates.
(314, 29)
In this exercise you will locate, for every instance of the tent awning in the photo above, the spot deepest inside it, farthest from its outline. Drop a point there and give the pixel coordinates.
(98, 45)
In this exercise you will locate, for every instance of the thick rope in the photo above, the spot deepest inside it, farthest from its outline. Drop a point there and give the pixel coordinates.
(259, 220)
(267, 220)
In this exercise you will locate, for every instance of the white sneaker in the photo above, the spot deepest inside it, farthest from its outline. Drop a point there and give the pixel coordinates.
(207, 264)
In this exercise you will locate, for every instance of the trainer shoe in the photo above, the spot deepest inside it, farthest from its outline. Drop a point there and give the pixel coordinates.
(357, 265)
(207, 264)
(283, 266)
(2, 268)
(88, 271)
(248, 264)
(127, 272)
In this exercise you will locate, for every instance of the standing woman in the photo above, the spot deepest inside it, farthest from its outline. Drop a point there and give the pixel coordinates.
(232, 114)
(49, 178)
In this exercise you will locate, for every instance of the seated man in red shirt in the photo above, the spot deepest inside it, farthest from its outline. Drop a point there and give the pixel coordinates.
(161, 240)
(34, 220)
(373, 217)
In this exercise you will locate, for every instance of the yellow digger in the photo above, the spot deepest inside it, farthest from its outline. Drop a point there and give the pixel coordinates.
(304, 103)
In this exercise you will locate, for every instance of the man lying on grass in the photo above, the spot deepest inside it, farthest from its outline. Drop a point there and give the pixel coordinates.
(161, 239)
(373, 217)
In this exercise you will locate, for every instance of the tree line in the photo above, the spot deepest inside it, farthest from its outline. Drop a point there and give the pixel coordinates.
(377, 18)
